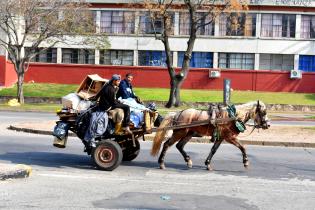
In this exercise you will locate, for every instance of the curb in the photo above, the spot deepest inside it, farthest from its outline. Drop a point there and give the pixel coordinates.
(16, 172)
(194, 139)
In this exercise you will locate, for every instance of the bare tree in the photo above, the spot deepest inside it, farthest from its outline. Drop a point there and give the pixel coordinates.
(39, 25)
(200, 13)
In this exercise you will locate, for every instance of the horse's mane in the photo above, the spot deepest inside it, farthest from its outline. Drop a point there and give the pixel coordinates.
(250, 107)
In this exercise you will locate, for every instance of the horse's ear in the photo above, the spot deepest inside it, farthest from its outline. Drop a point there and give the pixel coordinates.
(258, 106)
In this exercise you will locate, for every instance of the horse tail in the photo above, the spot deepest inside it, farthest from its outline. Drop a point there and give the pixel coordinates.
(160, 134)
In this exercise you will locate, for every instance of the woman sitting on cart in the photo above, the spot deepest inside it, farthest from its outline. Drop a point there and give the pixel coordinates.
(107, 100)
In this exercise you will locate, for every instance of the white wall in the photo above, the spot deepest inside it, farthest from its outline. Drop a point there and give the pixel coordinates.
(241, 45)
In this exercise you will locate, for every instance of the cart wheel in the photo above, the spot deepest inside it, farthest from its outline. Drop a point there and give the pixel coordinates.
(130, 151)
(107, 155)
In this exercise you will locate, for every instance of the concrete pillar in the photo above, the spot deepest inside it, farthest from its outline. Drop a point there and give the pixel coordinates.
(59, 55)
(258, 24)
(215, 60)
(97, 56)
(296, 62)
(98, 21)
(298, 22)
(175, 59)
(135, 58)
(176, 23)
(256, 64)
(217, 26)
(137, 22)
(23, 52)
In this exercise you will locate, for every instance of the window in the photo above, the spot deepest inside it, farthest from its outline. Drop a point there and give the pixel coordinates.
(236, 60)
(116, 57)
(235, 24)
(198, 59)
(81, 56)
(117, 22)
(152, 58)
(307, 63)
(277, 25)
(146, 26)
(205, 29)
(45, 56)
(276, 62)
(308, 26)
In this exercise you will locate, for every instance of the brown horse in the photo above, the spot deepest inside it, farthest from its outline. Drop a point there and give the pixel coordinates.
(226, 130)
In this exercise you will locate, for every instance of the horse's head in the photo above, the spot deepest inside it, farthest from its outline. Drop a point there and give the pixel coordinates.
(260, 117)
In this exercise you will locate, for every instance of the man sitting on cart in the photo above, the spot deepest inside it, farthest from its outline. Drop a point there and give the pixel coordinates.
(125, 89)
(108, 101)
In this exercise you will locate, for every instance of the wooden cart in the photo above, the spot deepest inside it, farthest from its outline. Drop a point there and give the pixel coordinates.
(110, 149)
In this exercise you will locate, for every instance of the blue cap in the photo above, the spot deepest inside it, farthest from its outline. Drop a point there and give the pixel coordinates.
(116, 77)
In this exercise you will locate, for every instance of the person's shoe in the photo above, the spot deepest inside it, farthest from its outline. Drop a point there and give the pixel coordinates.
(92, 144)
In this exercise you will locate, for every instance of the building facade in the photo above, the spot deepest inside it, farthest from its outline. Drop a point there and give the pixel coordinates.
(271, 47)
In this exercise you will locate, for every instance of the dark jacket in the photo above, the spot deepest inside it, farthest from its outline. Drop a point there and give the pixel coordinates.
(107, 97)
(125, 90)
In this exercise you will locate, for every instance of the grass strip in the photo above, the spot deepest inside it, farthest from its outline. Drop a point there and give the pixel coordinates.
(162, 94)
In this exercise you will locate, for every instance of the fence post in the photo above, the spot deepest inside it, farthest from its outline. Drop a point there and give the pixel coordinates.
(227, 92)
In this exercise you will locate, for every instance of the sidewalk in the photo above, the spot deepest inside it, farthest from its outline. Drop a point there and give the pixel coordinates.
(276, 135)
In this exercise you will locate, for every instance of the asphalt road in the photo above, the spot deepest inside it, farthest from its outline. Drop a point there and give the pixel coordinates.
(278, 178)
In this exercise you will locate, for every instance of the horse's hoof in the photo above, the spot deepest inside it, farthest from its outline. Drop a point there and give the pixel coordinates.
(209, 168)
(189, 164)
(246, 164)
(162, 166)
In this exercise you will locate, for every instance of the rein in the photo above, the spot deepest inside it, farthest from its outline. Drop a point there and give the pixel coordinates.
(194, 124)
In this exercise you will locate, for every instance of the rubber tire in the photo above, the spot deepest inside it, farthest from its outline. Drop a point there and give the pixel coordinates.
(113, 152)
(130, 153)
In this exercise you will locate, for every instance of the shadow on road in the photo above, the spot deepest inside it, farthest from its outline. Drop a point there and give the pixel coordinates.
(49, 159)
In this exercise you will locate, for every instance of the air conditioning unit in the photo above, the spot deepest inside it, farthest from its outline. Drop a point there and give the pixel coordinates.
(214, 74)
(296, 74)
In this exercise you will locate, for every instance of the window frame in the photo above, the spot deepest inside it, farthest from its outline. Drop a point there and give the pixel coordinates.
(271, 61)
(205, 30)
(125, 18)
(78, 56)
(309, 63)
(49, 55)
(120, 55)
(276, 25)
(307, 20)
(196, 57)
(231, 60)
(145, 58)
(225, 25)
(145, 25)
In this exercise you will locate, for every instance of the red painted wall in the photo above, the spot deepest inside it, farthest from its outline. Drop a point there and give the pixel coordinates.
(7, 73)
(2, 70)
(274, 81)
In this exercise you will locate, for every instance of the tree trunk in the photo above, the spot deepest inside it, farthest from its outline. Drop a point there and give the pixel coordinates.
(171, 99)
(177, 93)
(174, 98)
(20, 93)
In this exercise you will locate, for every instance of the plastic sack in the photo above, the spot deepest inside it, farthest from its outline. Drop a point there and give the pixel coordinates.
(61, 130)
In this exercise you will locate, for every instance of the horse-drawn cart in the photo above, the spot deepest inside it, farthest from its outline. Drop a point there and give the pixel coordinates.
(110, 149)
(107, 147)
